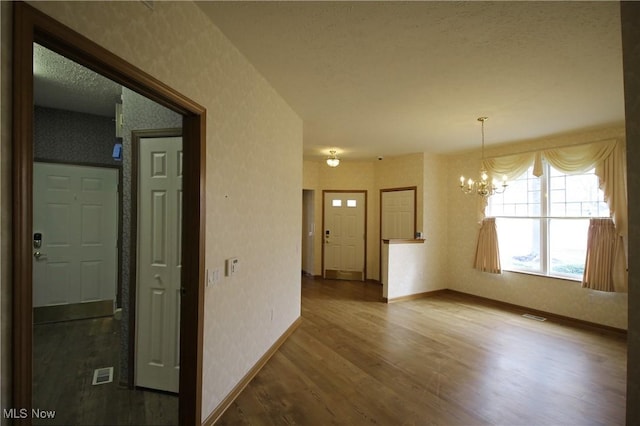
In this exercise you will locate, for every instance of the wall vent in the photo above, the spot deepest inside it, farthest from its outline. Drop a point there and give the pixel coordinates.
(102, 376)
(534, 317)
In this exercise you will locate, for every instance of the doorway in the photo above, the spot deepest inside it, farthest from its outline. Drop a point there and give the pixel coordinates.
(32, 26)
(344, 235)
(398, 218)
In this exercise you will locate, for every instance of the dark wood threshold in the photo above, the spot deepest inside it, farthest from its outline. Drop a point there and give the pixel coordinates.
(555, 317)
(237, 390)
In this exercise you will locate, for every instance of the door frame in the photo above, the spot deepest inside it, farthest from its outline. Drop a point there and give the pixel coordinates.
(343, 191)
(29, 26)
(415, 218)
(136, 135)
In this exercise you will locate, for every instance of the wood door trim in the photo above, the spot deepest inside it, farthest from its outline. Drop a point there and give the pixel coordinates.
(29, 26)
(415, 218)
(343, 191)
(136, 135)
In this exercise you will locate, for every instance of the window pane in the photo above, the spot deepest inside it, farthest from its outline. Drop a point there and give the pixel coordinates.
(519, 244)
(557, 209)
(567, 246)
(521, 198)
(557, 182)
(575, 209)
(516, 192)
(336, 203)
(579, 193)
(351, 203)
(557, 196)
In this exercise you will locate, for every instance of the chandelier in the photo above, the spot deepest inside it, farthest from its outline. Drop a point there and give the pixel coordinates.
(333, 160)
(482, 187)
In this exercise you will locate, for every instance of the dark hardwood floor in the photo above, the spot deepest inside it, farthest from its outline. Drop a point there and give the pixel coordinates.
(444, 360)
(65, 357)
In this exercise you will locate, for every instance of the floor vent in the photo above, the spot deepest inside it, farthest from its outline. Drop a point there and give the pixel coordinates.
(534, 317)
(102, 376)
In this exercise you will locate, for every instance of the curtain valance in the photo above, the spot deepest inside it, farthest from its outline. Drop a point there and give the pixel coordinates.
(607, 157)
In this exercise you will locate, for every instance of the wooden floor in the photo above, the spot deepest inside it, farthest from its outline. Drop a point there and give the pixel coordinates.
(444, 360)
(65, 357)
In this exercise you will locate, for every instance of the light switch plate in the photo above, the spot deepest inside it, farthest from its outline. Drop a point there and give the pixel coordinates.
(213, 276)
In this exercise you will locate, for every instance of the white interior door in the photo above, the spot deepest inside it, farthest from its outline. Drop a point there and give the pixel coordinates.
(344, 251)
(398, 214)
(158, 259)
(75, 212)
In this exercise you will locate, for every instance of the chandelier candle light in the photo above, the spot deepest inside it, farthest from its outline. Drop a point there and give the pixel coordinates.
(482, 187)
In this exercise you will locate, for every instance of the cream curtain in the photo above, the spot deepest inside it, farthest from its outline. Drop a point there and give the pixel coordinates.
(599, 264)
(613, 182)
(487, 251)
(609, 160)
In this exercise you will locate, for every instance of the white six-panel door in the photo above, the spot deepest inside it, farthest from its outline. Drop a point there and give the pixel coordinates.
(75, 209)
(344, 215)
(158, 260)
(398, 214)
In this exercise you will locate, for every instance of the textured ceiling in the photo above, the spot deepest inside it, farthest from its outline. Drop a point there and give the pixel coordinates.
(387, 78)
(63, 84)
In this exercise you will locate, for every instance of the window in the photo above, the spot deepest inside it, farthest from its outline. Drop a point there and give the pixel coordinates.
(543, 222)
(336, 203)
(351, 203)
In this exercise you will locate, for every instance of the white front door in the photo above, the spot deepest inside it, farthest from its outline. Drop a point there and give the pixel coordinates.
(75, 230)
(344, 235)
(159, 262)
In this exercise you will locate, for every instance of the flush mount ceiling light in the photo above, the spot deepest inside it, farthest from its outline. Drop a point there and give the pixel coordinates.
(333, 160)
(482, 187)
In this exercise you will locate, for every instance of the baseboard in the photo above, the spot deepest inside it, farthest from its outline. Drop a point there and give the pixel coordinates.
(560, 318)
(235, 392)
(414, 296)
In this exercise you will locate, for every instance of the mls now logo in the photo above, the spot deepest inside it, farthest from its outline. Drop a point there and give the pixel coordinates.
(15, 413)
(37, 413)
(23, 413)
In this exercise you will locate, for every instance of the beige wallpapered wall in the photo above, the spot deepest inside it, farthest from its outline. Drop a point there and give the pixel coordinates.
(556, 296)
(253, 173)
(436, 199)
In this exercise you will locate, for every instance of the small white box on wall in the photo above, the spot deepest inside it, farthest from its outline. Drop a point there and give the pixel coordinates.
(231, 266)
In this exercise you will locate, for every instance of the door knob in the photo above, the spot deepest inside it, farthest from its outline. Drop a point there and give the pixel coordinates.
(38, 255)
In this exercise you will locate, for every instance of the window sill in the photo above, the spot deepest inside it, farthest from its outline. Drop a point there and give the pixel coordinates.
(537, 274)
